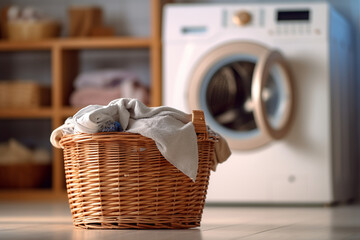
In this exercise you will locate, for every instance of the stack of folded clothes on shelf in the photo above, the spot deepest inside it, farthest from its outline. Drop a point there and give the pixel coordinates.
(14, 152)
(102, 86)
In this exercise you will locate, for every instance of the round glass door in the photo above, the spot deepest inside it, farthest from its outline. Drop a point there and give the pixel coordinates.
(238, 85)
(273, 117)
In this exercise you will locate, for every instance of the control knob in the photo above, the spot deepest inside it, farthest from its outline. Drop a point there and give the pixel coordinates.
(241, 18)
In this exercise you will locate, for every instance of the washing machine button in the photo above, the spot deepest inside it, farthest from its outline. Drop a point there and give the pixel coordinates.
(242, 18)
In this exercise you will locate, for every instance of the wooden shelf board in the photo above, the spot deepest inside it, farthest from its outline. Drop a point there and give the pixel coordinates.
(26, 45)
(43, 112)
(77, 43)
(113, 42)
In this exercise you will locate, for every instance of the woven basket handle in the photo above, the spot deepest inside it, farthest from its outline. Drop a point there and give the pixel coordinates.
(198, 119)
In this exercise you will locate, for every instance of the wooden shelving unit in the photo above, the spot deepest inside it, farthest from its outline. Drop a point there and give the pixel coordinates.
(64, 68)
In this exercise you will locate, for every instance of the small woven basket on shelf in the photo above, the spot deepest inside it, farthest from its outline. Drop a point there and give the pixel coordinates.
(121, 181)
(32, 30)
(23, 94)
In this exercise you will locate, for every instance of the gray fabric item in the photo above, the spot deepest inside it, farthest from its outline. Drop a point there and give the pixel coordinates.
(104, 78)
(171, 129)
(222, 152)
(221, 149)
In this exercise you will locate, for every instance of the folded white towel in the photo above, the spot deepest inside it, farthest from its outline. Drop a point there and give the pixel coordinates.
(171, 129)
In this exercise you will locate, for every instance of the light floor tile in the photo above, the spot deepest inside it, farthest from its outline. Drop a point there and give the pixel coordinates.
(52, 220)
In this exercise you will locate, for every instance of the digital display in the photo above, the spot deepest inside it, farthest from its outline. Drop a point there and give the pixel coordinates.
(293, 15)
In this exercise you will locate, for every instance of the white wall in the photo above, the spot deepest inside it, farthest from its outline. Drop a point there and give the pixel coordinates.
(127, 17)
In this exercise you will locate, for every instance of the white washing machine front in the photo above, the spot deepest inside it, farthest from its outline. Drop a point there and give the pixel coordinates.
(261, 75)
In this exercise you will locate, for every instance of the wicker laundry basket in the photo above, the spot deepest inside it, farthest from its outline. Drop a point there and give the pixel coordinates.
(121, 181)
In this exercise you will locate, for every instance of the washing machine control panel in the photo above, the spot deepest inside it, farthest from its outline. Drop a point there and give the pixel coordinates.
(292, 22)
(251, 21)
(277, 20)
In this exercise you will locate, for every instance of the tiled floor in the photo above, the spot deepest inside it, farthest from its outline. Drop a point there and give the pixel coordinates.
(53, 221)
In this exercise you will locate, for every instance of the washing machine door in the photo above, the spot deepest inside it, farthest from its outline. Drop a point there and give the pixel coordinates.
(246, 92)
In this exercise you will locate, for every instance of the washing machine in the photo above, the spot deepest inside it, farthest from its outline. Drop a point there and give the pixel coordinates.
(275, 80)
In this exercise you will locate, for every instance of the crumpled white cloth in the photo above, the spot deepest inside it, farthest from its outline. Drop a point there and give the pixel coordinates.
(171, 129)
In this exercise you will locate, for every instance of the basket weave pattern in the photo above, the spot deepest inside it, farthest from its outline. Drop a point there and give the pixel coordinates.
(20, 94)
(32, 30)
(121, 180)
